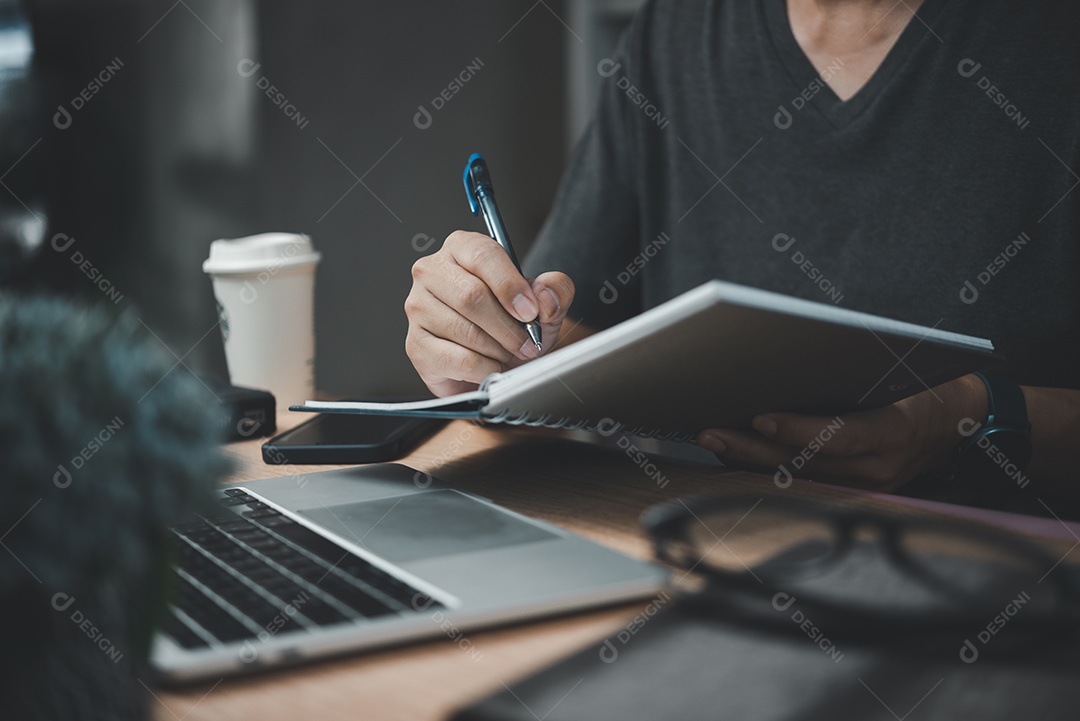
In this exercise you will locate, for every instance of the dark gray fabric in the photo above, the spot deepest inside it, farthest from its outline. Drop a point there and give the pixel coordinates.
(717, 152)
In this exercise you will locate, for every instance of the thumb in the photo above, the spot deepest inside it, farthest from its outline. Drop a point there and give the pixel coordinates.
(555, 291)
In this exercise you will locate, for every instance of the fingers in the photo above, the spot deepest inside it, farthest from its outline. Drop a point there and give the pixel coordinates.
(457, 355)
(482, 257)
(442, 321)
(746, 449)
(466, 310)
(852, 434)
(468, 296)
(555, 291)
(883, 472)
(444, 366)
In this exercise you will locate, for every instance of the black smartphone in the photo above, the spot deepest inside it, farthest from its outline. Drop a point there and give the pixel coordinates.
(338, 439)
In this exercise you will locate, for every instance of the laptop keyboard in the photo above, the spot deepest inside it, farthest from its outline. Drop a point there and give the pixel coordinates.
(249, 572)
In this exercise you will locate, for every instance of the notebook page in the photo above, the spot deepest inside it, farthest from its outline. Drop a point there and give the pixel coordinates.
(470, 400)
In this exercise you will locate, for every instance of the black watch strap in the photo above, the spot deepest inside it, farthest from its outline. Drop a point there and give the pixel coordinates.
(996, 453)
(1007, 404)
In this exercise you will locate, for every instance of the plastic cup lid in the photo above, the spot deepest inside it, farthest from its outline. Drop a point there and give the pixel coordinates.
(256, 253)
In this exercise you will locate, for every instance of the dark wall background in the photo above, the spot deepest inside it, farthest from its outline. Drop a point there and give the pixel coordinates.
(178, 148)
(360, 75)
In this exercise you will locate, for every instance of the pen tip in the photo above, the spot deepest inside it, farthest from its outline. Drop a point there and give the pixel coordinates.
(533, 329)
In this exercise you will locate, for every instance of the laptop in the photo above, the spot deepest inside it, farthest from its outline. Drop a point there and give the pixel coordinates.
(291, 569)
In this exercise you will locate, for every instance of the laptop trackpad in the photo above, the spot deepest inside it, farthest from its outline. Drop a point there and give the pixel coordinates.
(425, 525)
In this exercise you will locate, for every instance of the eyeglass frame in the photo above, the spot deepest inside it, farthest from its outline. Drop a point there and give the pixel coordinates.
(668, 524)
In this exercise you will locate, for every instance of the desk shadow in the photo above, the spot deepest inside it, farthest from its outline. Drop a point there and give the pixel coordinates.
(549, 475)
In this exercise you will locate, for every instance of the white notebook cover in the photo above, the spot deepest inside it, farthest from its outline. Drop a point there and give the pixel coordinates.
(713, 357)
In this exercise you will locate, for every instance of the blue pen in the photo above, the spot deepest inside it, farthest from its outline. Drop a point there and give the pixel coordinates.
(481, 196)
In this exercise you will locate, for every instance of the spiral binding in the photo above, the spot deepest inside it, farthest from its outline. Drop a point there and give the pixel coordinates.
(516, 418)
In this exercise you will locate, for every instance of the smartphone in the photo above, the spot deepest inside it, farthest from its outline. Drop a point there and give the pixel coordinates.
(339, 439)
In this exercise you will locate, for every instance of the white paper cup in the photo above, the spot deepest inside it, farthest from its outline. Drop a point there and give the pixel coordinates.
(265, 291)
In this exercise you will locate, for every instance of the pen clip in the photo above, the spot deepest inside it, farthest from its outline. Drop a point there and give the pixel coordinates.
(477, 181)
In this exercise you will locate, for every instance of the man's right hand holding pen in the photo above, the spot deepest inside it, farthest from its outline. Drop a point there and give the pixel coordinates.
(466, 310)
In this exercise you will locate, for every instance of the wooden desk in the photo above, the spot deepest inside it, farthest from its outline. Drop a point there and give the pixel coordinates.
(596, 492)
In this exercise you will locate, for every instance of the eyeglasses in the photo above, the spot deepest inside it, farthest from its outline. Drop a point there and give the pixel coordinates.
(871, 574)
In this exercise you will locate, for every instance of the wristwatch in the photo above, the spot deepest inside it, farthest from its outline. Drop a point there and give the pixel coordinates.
(995, 454)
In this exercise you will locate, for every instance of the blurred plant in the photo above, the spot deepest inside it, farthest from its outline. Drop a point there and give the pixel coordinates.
(102, 447)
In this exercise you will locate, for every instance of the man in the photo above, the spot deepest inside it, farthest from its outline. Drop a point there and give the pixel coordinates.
(910, 159)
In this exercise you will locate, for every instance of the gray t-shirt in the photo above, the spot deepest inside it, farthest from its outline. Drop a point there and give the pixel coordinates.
(939, 194)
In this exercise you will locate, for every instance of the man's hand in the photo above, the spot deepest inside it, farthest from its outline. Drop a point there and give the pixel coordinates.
(879, 449)
(466, 308)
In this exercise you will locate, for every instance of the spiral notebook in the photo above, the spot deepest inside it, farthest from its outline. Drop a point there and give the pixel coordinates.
(713, 357)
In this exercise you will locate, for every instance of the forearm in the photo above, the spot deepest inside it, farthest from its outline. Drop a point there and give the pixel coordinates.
(1055, 435)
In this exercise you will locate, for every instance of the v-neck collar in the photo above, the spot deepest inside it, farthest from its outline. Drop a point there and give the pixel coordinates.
(805, 76)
